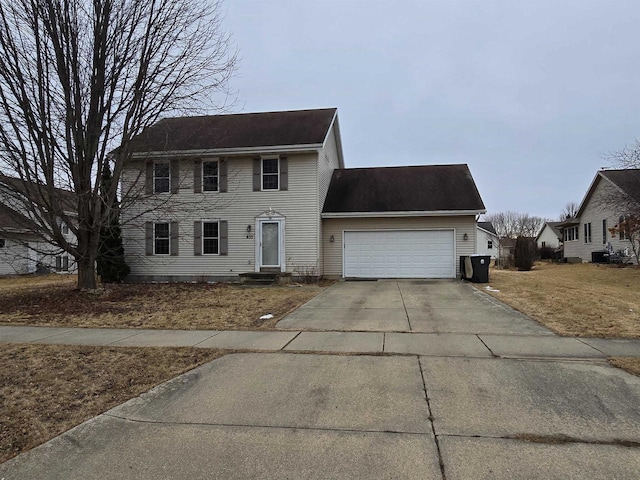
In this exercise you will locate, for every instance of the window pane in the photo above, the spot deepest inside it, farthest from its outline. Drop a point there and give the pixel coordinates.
(210, 246)
(161, 170)
(162, 246)
(161, 185)
(270, 182)
(210, 168)
(210, 229)
(161, 177)
(210, 184)
(270, 166)
(161, 230)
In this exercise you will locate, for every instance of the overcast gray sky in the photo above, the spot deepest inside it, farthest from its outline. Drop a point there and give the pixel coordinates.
(530, 94)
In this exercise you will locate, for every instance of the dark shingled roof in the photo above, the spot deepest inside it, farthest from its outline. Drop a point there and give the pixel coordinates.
(402, 189)
(245, 130)
(10, 219)
(488, 226)
(37, 192)
(628, 180)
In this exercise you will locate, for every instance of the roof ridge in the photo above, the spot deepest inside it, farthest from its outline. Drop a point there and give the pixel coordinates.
(238, 114)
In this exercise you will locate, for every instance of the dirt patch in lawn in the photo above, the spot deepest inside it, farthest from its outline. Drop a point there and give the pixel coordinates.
(48, 389)
(56, 302)
(629, 364)
(584, 300)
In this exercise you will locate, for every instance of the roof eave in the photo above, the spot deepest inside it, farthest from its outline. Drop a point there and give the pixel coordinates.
(406, 213)
(212, 152)
(335, 123)
(487, 231)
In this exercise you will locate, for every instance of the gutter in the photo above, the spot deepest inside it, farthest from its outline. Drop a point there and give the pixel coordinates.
(213, 152)
(428, 213)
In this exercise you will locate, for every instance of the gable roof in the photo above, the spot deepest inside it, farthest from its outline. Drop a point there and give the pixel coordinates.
(626, 180)
(36, 192)
(237, 131)
(10, 220)
(554, 228)
(425, 188)
(487, 227)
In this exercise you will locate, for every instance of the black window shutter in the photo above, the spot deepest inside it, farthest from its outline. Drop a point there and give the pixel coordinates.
(148, 177)
(175, 176)
(197, 238)
(257, 170)
(58, 264)
(197, 176)
(173, 233)
(222, 175)
(224, 237)
(148, 238)
(284, 173)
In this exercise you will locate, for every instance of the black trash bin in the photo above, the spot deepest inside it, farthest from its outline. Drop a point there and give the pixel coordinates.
(479, 271)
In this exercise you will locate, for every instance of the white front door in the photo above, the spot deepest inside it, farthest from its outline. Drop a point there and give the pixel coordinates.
(270, 241)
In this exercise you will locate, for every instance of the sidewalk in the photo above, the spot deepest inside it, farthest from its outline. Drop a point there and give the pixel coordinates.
(437, 344)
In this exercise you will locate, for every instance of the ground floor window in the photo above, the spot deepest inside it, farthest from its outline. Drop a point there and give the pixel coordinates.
(587, 232)
(161, 238)
(489, 244)
(210, 238)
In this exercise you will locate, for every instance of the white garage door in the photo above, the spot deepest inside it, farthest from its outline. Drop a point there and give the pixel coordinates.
(399, 254)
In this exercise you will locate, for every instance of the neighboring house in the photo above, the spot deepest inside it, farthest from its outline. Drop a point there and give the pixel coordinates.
(213, 197)
(589, 231)
(550, 236)
(487, 240)
(23, 246)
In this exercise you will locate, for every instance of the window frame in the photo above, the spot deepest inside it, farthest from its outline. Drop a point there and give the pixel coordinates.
(217, 175)
(262, 174)
(156, 177)
(202, 240)
(587, 232)
(622, 233)
(571, 234)
(64, 228)
(490, 244)
(604, 231)
(167, 238)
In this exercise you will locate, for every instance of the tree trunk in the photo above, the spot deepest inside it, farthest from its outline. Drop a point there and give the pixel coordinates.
(88, 252)
(86, 274)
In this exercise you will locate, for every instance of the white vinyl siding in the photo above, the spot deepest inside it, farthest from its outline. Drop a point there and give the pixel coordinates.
(333, 261)
(239, 206)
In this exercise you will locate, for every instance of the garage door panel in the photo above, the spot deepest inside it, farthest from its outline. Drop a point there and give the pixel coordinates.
(399, 254)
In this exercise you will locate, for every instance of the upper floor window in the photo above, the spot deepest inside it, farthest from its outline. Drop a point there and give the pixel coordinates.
(489, 243)
(210, 176)
(587, 232)
(161, 238)
(210, 238)
(161, 177)
(270, 174)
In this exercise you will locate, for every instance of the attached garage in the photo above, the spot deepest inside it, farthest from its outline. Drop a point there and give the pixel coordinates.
(399, 254)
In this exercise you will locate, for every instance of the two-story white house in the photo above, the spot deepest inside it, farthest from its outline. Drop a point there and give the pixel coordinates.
(599, 211)
(209, 198)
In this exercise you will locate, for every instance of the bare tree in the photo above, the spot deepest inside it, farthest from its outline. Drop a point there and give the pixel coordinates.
(570, 210)
(511, 224)
(80, 77)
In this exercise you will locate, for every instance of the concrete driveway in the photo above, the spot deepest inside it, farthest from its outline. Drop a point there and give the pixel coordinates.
(469, 413)
(428, 306)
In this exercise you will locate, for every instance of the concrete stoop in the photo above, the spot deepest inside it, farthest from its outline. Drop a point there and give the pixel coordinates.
(265, 278)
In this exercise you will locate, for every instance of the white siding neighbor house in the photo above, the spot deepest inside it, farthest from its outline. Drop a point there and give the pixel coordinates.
(223, 195)
(550, 236)
(24, 245)
(487, 240)
(599, 211)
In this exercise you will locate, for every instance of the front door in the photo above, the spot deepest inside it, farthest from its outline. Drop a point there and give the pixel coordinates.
(269, 244)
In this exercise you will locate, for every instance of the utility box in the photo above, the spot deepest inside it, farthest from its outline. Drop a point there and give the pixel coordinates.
(475, 268)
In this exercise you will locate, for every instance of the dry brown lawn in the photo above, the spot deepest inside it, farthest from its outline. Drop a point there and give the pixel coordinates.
(53, 301)
(585, 300)
(47, 389)
(630, 364)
